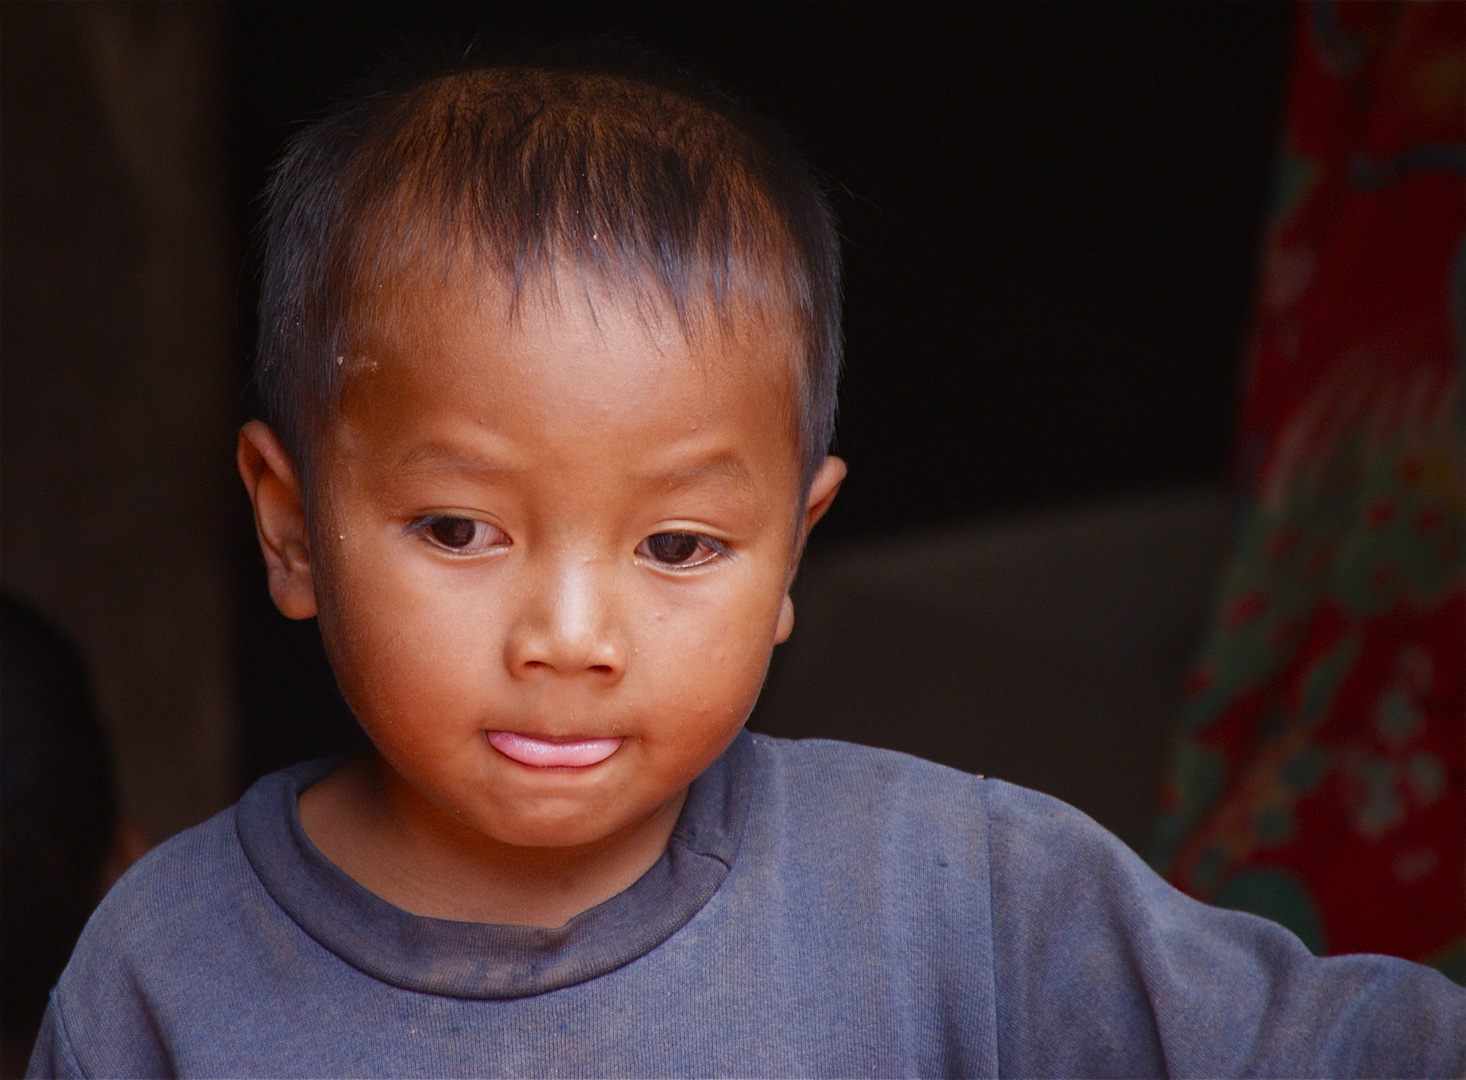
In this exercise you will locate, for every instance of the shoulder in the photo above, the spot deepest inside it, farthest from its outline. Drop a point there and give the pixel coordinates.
(823, 809)
(162, 917)
(186, 918)
(1029, 845)
(1018, 847)
(188, 878)
(1034, 835)
(827, 778)
(180, 890)
(819, 769)
(200, 889)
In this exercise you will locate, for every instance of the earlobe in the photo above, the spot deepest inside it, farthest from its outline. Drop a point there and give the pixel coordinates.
(274, 489)
(786, 621)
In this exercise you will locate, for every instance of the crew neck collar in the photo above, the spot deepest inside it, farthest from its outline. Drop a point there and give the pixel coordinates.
(481, 960)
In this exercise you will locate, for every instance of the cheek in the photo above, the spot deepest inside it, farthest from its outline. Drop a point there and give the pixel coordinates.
(397, 653)
(707, 657)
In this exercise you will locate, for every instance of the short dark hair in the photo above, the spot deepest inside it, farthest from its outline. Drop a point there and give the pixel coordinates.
(602, 157)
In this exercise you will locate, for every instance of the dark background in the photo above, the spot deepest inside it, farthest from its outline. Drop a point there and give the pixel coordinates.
(1051, 211)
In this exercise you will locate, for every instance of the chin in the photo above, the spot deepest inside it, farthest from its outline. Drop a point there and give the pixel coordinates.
(553, 822)
(552, 833)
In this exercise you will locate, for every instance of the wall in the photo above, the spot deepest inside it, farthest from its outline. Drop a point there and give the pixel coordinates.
(117, 373)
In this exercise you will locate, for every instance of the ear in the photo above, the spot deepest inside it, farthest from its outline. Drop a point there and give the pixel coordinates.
(822, 491)
(274, 489)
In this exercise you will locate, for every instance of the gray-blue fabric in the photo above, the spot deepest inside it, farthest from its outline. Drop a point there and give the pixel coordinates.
(823, 910)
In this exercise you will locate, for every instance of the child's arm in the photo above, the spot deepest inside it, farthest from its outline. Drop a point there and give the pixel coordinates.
(1104, 969)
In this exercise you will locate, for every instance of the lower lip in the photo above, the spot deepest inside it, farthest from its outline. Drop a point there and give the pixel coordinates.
(544, 754)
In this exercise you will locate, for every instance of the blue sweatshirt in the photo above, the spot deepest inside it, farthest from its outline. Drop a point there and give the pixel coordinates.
(822, 910)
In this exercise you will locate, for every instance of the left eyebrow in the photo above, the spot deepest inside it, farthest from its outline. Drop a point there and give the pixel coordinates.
(723, 465)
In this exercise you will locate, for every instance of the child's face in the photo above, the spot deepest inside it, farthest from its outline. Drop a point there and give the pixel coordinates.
(573, 527)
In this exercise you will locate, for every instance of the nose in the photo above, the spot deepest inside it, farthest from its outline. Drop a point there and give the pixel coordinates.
(568, 626)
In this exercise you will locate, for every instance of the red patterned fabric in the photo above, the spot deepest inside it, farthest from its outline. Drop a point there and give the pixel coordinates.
(1320, 778)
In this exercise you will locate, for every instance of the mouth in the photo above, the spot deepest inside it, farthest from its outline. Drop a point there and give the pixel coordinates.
(552, 753)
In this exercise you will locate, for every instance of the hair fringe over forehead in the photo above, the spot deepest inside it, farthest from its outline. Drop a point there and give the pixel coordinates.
(638, 184)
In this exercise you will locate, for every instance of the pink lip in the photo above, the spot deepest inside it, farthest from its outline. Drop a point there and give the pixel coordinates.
(544, 754)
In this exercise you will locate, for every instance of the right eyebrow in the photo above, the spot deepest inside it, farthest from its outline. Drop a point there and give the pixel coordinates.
(436, 458)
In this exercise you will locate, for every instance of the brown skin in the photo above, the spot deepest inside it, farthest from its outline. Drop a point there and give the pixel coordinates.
(558, 443)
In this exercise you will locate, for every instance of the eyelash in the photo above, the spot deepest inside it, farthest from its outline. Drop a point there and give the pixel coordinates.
(715, 549)
(426, 528)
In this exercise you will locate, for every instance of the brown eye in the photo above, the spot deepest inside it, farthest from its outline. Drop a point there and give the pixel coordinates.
(673, 548)
(453, 532)
(459, 535)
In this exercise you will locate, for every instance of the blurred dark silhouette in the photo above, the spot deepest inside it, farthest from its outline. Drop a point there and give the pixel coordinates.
(118, 377)
(62, 840)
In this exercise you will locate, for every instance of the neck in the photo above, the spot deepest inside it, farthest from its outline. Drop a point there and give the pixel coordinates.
(405, 849)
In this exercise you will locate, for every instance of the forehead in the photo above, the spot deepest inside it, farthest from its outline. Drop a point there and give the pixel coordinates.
(563, 349)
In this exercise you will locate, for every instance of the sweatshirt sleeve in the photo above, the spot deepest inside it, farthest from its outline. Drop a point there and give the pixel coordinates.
(1104, 969)
(52, 1056)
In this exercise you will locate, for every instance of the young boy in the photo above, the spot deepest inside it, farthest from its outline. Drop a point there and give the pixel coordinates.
(549, 354)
